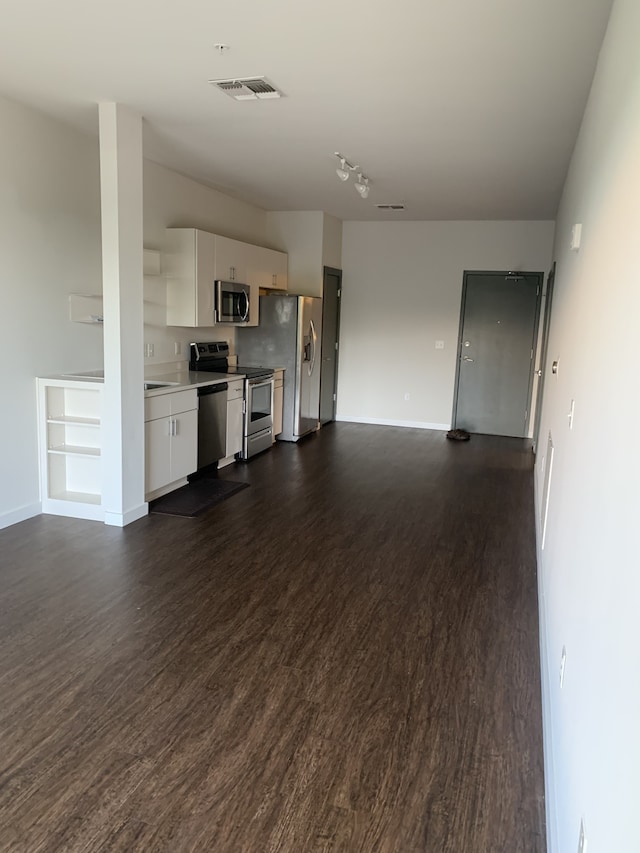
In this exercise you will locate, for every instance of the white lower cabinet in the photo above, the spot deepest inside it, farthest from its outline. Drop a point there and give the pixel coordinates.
(69, 417)
(171, 441)
(235, 420)
(278, 401)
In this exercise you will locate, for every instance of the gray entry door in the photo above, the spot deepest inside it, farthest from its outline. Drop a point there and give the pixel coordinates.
(495, 355)
(331, 293)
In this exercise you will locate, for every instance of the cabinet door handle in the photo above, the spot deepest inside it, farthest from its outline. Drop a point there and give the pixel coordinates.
(175, 426)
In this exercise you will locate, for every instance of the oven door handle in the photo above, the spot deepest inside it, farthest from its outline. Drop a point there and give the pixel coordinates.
(314, 339)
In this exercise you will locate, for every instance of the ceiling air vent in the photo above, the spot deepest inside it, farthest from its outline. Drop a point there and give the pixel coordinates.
(390, 206)
(247, 88)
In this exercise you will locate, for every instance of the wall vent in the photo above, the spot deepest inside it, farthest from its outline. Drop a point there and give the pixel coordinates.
(390, 206)
(247, 88)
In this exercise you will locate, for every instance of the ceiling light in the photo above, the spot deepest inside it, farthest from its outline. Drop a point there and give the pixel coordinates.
(363, 185)
(341, 172)
(344, 168)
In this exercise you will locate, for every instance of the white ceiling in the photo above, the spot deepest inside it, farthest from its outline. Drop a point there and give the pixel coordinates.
(461, 109)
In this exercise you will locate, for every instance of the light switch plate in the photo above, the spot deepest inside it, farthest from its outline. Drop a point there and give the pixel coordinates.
(576, 237)
(439, 344)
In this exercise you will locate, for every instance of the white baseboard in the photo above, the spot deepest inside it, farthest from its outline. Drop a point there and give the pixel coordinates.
(15, 516)
(547, 727)
(121, 519)
(386, 422)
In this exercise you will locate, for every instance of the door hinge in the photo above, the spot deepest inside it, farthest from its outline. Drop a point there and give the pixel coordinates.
(339, 291)
(531, 356)
(336, 345)
(538, 290)
(334, 398)
(526, 413)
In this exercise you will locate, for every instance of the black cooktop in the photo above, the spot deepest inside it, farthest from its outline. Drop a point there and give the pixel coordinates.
(212, 357)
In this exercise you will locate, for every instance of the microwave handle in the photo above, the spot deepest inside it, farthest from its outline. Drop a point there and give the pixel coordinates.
(245, 315)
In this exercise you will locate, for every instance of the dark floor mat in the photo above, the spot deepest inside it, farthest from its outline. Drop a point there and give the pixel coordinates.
(198, 496)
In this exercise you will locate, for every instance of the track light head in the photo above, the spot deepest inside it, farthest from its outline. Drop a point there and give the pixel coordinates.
(341, 172)
(363, 185)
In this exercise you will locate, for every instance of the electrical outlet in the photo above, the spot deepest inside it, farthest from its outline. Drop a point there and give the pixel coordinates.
(582, 841)
(407, 396)
(439, 344)
(563, 665)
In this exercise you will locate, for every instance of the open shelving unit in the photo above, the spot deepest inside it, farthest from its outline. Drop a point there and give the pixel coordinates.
(70, 447)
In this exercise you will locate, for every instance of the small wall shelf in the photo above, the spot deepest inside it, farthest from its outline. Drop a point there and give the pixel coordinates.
(87, 307)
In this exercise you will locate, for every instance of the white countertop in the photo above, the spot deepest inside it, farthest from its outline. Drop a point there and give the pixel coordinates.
(177, 380)
(182, 380)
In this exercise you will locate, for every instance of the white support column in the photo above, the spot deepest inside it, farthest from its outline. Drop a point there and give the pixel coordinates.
(122, 284)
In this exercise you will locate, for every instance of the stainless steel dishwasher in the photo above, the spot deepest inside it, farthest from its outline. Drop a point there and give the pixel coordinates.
(212, 423)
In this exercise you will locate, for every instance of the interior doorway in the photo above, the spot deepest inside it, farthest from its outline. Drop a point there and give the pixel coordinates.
(498, 329)
(331, 295)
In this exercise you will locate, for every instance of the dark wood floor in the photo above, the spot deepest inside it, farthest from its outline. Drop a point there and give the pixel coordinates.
(343, 657)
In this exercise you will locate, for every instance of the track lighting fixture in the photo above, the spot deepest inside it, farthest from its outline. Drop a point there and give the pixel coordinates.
(363, 185)
(344, 168)
(343, 173)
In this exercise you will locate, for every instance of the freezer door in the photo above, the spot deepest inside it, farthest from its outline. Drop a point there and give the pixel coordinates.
(308, 368)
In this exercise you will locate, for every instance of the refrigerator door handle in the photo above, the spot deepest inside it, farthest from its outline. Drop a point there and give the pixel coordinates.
(314, 339)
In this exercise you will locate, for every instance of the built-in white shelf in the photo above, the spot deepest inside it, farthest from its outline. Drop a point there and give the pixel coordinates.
(69, 419)
(75, 449)
(62, 419)
(78, 497)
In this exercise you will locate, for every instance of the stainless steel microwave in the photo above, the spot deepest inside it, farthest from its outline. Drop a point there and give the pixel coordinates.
(232, 302)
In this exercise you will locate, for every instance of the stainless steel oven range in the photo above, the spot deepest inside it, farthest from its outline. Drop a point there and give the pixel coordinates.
(212, 357)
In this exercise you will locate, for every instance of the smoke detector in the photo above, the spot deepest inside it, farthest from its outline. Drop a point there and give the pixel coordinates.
(247, 88)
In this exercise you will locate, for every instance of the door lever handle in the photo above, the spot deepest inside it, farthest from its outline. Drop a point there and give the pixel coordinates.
(466, 358)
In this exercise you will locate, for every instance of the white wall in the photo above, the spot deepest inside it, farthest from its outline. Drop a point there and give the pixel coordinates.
(590, 566)
(173, 201)
(300, 234)
(50, 247)
(402, 285)
(331, 242)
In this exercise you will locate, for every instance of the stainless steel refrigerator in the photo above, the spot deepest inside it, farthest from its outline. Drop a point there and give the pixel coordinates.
(289, 336)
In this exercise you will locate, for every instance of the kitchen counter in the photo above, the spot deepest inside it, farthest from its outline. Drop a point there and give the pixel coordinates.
(181, 380)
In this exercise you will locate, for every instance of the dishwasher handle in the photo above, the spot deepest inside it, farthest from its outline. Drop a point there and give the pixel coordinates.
(205, 390)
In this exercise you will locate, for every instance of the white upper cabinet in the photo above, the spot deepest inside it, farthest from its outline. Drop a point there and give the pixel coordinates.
(268, 268)
(189, 264)
(193, 260)
(232, 260)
